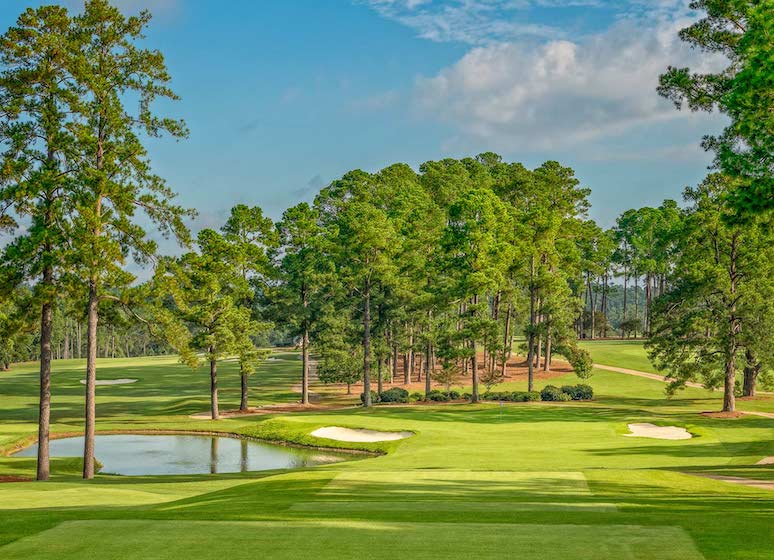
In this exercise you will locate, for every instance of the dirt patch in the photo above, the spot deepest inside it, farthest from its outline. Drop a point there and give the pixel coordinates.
(766, 461)
(359, 435)
(764, 484)
(9, 478)
(726, 415)
(648, 430)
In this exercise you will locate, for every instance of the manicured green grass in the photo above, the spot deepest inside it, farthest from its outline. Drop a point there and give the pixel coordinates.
(620, 353)
(533, 480)
(140, 540)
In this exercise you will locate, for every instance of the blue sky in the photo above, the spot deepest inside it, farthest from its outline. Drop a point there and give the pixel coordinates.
(281, 97)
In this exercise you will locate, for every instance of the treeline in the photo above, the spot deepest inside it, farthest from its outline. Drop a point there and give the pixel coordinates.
(440, 268)
(119, 336)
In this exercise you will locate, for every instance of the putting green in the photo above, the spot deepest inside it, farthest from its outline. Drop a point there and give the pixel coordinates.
(336, 540)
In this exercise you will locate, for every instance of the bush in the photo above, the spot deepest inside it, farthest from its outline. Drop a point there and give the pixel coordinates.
(551, 393)
(437, 396)
(467, 396)
(531, 396)
(563, 397)
(395, 395)
(374, 397)
(415, 396)
(454, 395)
(579, 392)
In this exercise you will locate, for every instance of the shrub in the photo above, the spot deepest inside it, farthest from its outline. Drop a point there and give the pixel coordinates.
(437, 396)
(374, 397)
(550, 393)
(467, 396)
(531, 396)
(579, 392)
(395, 395)
(563, 397)
(415, 396)
(579, 358)
(454, 395)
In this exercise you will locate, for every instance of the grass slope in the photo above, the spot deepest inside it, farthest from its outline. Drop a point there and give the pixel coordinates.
(533, 480)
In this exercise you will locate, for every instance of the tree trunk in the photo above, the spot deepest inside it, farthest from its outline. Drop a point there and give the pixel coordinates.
(729, 400)
(394, 362)
(648, 296)
(91, 378)
(411, 355)
(532, 327)
(604, 304)
(44, 407)
(751, 370)
(547, 357)
(474, 364)
(305, 367)
(244, 388)
(506, 338)
(214, 410)
(379, 382)
(593, 308)
(428, 369)
(367, 344)
(625, 295)
(406, 377)
(66, 342)
(538, 348)
(305, 350)
(636, 301)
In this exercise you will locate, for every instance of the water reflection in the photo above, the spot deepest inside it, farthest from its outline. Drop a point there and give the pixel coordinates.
(136, 454)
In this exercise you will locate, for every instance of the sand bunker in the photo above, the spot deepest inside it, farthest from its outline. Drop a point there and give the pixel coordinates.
(111, 381)
(766, 461)
(648, 430)
(358, 435)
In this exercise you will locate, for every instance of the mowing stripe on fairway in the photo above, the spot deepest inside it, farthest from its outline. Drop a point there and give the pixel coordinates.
(329, 540)
(449, 506)
(451, 484)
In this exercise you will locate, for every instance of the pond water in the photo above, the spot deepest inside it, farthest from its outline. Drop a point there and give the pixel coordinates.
(140, 454)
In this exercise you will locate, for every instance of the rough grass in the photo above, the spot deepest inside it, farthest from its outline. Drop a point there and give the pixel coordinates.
(533, 480)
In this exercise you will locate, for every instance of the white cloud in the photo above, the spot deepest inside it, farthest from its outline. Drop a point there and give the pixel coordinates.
(476, 22)
(561, 93)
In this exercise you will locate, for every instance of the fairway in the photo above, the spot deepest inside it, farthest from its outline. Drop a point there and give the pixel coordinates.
(546, 480)
(137, 540)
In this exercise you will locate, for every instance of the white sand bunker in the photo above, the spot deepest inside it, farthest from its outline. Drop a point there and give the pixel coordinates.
(358, 434)
(111, 381)
(648, 430)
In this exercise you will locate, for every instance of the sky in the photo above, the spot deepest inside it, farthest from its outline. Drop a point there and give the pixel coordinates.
(281, 97)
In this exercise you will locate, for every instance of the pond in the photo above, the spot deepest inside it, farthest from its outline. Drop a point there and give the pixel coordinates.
(140, 454)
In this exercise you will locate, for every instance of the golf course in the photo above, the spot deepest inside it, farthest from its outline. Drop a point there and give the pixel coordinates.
(533, 480)
(387, 280)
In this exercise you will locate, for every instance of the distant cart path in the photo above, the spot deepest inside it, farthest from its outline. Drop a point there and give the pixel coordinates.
(658, 377)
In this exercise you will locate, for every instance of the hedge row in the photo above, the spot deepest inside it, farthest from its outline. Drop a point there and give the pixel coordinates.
(578, 392)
